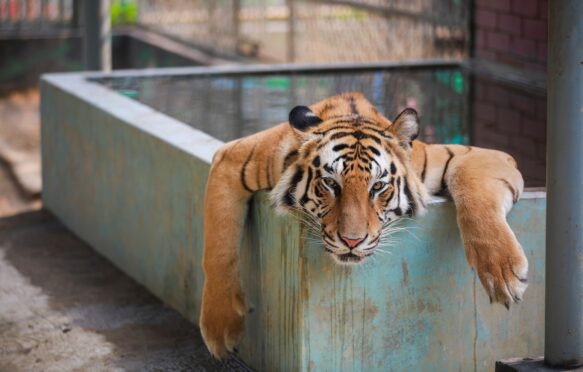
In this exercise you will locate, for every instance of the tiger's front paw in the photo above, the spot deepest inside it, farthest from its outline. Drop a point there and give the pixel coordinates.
(502, 268)
(221, 318)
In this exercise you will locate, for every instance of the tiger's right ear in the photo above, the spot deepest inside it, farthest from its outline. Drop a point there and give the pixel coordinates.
(302, 118)
(406, 127)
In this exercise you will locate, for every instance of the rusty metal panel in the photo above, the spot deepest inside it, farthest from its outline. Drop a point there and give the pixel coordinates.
(520, 331)
(420, 307)
(130, 195)
(131, 182)
(271, 268)
(400, 311)
(416, 307)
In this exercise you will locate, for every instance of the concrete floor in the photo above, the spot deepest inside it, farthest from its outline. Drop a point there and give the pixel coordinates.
(63, 307)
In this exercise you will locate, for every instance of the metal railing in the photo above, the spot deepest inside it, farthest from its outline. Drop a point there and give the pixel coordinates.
(24, 16)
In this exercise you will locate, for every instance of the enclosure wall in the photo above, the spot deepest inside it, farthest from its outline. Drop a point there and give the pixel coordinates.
(130, 181)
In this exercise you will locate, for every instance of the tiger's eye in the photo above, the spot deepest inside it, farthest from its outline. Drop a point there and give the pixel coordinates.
(330, 182)
(378, 186)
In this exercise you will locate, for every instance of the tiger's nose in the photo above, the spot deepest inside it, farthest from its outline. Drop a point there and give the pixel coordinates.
(351, 241)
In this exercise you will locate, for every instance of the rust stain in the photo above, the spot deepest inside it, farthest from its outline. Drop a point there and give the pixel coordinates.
(347, 310)
(303, 275)
(405, 273)
(370, 312)
(422, 306)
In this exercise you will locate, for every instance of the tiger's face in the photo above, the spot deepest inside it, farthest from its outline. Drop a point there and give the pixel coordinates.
(352, 179)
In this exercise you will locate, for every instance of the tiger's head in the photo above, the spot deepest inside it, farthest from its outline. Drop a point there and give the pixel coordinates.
(352, 175)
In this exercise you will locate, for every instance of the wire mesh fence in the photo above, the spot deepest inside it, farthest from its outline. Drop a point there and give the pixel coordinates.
(316, 31)
(305, 31)
(18, 16)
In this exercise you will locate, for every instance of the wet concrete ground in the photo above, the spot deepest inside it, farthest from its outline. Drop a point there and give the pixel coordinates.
(63, 307)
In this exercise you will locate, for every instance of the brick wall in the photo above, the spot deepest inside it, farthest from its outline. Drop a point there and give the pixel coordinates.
(514, 121)
(513, 32)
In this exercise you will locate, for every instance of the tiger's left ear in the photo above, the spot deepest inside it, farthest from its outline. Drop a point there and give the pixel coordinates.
(301, 118)
(406, 127)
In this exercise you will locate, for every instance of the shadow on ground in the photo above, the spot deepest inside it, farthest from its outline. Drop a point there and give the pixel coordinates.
(64, 307)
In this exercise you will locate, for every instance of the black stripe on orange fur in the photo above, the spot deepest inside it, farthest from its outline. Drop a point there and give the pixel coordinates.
(443, 183)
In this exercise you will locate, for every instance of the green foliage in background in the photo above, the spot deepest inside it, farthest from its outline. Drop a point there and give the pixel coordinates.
(124, 12)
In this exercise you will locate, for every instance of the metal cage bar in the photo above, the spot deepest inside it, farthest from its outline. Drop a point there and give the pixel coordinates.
(564, 242)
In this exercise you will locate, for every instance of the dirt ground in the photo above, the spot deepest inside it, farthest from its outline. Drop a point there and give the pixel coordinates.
(63, 307)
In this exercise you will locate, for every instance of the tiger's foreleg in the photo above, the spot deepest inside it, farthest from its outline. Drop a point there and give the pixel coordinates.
(239, 169)
(484, 185)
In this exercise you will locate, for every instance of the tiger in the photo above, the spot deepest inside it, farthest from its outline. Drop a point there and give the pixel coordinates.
(343, 164)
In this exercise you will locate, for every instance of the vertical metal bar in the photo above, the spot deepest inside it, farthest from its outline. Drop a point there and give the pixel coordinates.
(239, 97)
(291, 32)
(11, 13)
(236, 25)
(97, 40)
(61, 15)
(44, 16)
(469, 13)
(77, 14)
(28, 5)
(564, 243)
(470, 99)
(212, 36)
(21, 20)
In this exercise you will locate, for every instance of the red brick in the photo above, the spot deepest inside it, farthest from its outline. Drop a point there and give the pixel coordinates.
(532, 170)
(524, 146)
(493, 139)
(534, 128)
(535, 29)
(508, 116)
(536, 66)
(503, 5)
(485, 112)
(498, 95)
(486, 54)
(497, 41)
(527, 8)
(509, 129)
(541, 52)
(523, 103)
(510, 60)
(541, 110)
(510, 23)
(486, 19)
(523, 47)
(477, 129)
(508, 121)
(480, 39)
(543, 9)
(541, 151)
(479, 90)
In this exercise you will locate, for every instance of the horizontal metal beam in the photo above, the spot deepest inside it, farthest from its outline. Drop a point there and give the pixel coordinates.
(392, 11)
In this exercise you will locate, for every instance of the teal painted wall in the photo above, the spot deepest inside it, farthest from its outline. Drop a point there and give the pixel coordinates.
(137, 200)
